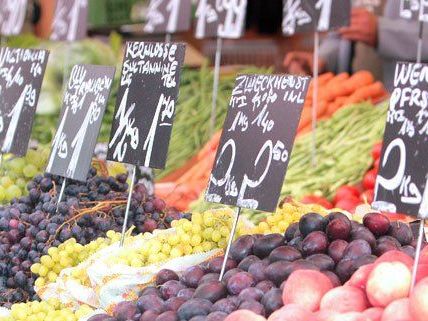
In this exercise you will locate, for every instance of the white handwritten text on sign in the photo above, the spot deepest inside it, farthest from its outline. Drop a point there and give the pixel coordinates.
(168, 16)
(403, 167)
(12, 16)
(220, 18)
(257, 139)
(414, 10)
(82, 112)
(314, 15)
(146, 103)
(70, 20)
(21, 76)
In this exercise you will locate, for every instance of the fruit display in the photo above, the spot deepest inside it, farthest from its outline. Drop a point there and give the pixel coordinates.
(16, 172)
(379, 291)
(50, 310)
(344, 146)
(32, 224)
(315, 263)
(202, 233)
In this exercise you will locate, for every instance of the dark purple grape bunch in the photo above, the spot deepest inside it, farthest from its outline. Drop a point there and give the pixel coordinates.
(30, 225)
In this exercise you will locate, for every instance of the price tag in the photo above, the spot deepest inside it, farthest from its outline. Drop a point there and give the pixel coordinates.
(403, 167)
(70, 20)
(220, 18)
(84, 103)
(21, 76)
(414, 10)
(146, 103)
(257, 139)
(12, 16)
(168, 16)
(315, 15)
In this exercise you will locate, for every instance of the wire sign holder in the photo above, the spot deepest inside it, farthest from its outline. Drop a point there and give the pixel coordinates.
(253, 155)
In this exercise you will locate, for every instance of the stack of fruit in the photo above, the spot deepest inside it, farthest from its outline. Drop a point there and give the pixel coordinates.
(16, 172)
(32, 224)
(263, 267)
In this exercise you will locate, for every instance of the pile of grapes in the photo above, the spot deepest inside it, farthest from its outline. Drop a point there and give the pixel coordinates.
(16, 172)
(259, 265)
(32, 224)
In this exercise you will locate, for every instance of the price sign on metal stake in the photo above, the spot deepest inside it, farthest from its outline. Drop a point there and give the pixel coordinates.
(168, 16)
(145, 107)
(21, 76)
(12, 16)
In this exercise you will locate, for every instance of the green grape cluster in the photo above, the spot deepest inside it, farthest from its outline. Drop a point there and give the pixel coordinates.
(16, 172)
(50, 310)
(66, 255)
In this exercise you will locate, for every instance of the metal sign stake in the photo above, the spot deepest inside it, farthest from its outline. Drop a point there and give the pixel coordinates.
(128, 205)
(167, 37)
(315, 98)
(229, 243)
(61, 193)
(215, 84)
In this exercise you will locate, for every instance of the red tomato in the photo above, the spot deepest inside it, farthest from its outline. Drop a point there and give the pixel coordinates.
(369, 179)
(313, 199)
(367, 196)
(348, 204)
(376, 164)
(376, 150)
(346, 191)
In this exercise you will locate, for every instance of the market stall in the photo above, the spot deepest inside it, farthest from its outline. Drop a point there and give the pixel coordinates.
(143, 181)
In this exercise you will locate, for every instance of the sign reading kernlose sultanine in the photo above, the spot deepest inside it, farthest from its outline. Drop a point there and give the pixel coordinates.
(403, 169)
(12, 16)
(220, 18)
(257, 140)
(146, 103)
(84, 104)
(70, 20)
(168, 16)
(21, 76)
(314, 15)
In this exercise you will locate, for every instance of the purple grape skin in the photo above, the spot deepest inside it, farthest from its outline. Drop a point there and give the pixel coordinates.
(167, 316)
(242, 247)
(165, 275)
(230, 273)
(149, 316)
(212, 291)
(192, 276)
(253, 306)
(265, 286)
(264, 245)
(272, 301)
(173, 304)
(216, 264)
(247, 262)
(171, 288)
(193, 308)
(225, 305)
(323, 261)
(314, 243)
(336, 250)
(186, 294)
(239, 282)
(356, 249)
(209, 278)
(258, 270)
(284, 253)
(251, 293)
(125, 310)
(216, 316)
(151, 302)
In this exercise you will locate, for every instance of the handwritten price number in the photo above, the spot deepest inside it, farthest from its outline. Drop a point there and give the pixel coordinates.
(296, 16)
(408, 189)
(414, 6)
(275, 152)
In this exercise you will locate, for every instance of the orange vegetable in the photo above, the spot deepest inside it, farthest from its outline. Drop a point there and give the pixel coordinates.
(365, 93)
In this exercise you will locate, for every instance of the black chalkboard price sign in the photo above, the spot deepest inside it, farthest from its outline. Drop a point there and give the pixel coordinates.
(70, 20)
(168, 16)
(257, 139)
(220, 18)
(21, 76)
(12, 16)
(146, 103)
(84, 103)
(314, 15)
(403, 169)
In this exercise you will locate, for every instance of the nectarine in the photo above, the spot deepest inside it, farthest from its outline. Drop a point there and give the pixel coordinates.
(291, 312)
(306, 288)
(351, 316)
(396, 256)
(374, 314)
(344, 299)
(244, 315)
(419, 301)
(388, 281)
(397, 310)
(360, 276)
